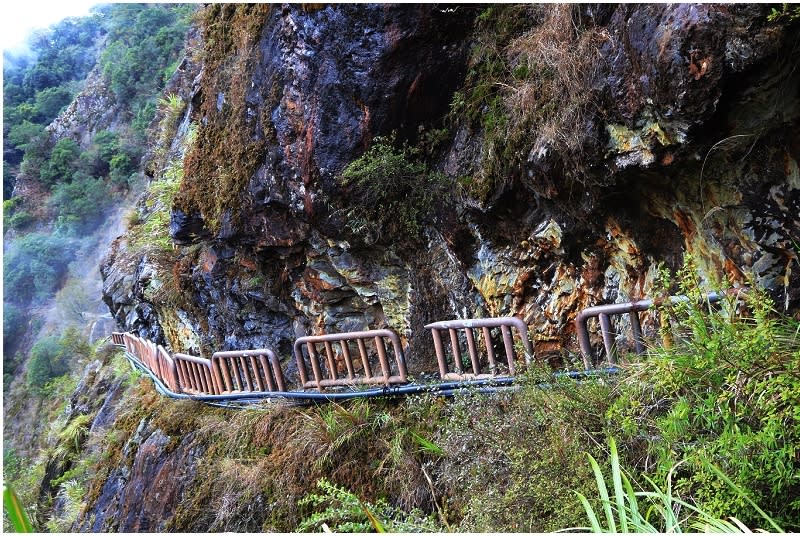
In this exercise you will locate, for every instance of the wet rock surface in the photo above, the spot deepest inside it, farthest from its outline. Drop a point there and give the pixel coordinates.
(141, 497)
(697, 153)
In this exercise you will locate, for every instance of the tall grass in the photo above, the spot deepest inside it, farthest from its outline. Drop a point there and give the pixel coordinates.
(624, 510)
(15, 512)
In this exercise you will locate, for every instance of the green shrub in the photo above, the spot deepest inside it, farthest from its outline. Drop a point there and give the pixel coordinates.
(47, 361)
(143, 40)
(14, 215)
(52, 356)
(20, 220)
(51, 101)
(121, 167)
(62, 163)
(80, 204)
(345, 512)
(391, 192)
(726, 391)
(21, 134)
(107, 143)
(33, 267)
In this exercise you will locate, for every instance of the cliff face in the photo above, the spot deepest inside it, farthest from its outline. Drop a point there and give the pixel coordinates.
(678, 134)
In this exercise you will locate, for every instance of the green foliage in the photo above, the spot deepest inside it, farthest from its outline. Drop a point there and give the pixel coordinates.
(63, 53)
(48, 360)
(15, 511)
(33, 267)
(787, 12)
(21, 134)
(14, 324)
(170, 107)
(511, 460)
(37, 153)
(110, 155)
(346, 426)
(62, 163)
(627, 511)
(80, 205)
(14, 214)
(36, 90)
(19, 220)
(108, 145)
(344, 512)
(142, 115)
(173, 106)
(391, 191)
(71, 437)
(121, 167)
(12, 464)
(52, 356)
(727, 391)
(143, 40)
(153, 228)
(50, 102)
(71, 493)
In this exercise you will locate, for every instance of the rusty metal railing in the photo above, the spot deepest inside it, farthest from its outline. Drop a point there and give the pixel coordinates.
(247, 371)
(155, 357)
(194, 374)
(339, 369)
(474, 345)
(603, 313)
(481, 354)
(118, 338)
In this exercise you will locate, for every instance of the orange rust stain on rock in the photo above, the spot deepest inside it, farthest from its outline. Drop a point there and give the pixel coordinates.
(519, 284)
(733, 272)
(315, 282)
(685, 224)
(248, 264)
(208, 259)
(592, 274)
(548, 346)
(698, 67)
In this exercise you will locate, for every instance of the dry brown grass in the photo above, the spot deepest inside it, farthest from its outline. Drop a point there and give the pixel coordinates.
(532, 88)
(556, 98)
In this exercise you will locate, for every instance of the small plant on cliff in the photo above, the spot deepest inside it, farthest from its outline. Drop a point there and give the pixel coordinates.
(789, 12)
(391, 191)
(151, 225)
(170, 107)
(71, 493)
(344, 511)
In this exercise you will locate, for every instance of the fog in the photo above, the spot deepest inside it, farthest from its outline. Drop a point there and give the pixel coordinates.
(20, 19)
(79, 301)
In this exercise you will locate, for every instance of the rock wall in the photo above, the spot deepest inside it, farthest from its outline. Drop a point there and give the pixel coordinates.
(691, 146)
